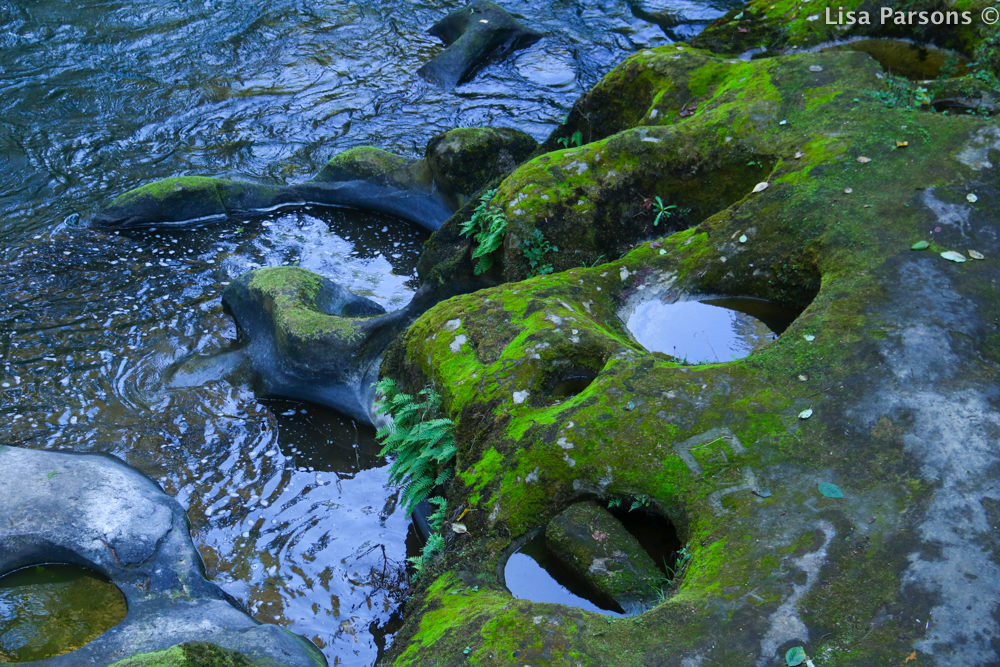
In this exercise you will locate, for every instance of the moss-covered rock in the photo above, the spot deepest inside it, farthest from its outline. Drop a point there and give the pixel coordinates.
(310, 338)
(473, 34)
(361, 163)
(193, 654)
(465, 159)
(781, 26)
(598, 548)
(884, 385)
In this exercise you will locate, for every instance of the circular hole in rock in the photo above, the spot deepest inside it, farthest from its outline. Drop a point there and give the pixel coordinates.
(708, 331)
(585, 554)
(571, 384)
(917, 62)
(52, 609)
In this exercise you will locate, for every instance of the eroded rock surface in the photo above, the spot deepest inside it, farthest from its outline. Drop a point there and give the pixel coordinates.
(94, 511)
(884, 386)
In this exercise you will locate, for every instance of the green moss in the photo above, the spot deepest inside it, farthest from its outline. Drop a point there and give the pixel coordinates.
(190, 186)
(192, 654)
(361, 163)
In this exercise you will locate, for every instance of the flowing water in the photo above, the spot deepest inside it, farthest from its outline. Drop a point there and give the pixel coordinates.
(110, 342)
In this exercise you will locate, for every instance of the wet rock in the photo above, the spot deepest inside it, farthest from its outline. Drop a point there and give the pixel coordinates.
(96, 512)
(310, 338)
(197, 200)
(361, 163)
(593, 543)
(465, 159)
(473, 35)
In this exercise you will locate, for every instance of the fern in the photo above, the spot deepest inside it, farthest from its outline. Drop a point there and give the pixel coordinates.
(487, 226)
(423, 446)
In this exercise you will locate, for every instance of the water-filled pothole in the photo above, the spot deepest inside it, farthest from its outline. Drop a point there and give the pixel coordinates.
(534, 573)
(708, 331)
(48, 610)
(918, 62)
(584, 563)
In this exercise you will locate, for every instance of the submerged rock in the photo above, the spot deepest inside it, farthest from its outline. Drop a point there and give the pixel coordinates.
(94, 511)
(474, 34)
(598, 548)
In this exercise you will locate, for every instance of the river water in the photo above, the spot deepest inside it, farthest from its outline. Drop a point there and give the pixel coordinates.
(107, 340)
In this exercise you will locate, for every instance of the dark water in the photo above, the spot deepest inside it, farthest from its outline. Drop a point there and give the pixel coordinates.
(48, 610)
(710, 331)
(111, 342)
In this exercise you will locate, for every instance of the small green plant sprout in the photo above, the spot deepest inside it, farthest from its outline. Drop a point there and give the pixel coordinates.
(576, 139)
(641, 501)
(422, 443)
(535, 247)
(614, 502)
(661, 210)
(487, 227)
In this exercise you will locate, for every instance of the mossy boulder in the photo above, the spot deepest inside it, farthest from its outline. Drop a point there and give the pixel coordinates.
(465, 159)
(193, 654)
(884, 386)
(472, 35)
(361, 163)
(310, 338)
(783, 27)
(598, 548)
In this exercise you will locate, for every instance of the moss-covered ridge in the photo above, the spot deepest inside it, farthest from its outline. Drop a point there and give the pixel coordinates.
(890, 345)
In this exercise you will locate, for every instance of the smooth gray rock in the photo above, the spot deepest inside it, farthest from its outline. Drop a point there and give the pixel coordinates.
(94, 511)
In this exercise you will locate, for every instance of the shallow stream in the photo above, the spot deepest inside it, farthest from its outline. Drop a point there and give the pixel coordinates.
(106, 338)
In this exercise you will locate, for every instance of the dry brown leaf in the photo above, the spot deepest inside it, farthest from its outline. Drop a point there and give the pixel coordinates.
(902, 144)
(864, 159)
(912, 656)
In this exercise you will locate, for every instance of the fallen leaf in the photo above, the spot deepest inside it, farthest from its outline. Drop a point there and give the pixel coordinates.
(742, 30)
(630, 406)
(953, 256)
(912, 656)
(795, 656)
(459, 528)
(798, 154)
(848, 191)
(760, 187)
(902, 144)
(815, 68)
(971, 197)
(803, 378)
(743, 238)
(784, 122)
(976, 255)
(806, 414)
(937, 229)
(864, 159)
(920, 245)
(600, 535)
(830, 490)
(809, 338)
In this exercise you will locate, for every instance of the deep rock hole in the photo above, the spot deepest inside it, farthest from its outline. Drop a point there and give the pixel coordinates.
(617, 560)
(53, 608)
